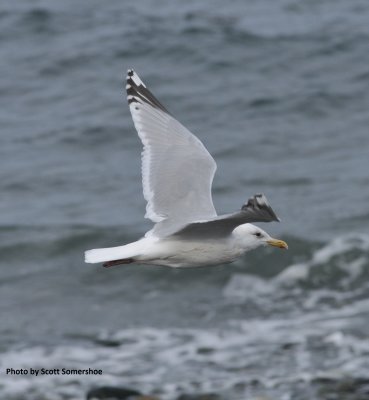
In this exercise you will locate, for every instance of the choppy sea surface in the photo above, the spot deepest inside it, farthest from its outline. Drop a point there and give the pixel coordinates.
(278, 92)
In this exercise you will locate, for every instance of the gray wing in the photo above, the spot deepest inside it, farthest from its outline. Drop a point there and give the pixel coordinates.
(257, 209)
(177, 170)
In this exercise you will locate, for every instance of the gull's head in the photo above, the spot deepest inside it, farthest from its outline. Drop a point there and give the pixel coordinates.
(251, 236)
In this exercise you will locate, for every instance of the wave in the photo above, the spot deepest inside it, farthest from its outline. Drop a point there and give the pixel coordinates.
(344, 261)
(334, 274)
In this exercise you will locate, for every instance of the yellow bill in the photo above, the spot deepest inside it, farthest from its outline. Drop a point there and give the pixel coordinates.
(278, 243)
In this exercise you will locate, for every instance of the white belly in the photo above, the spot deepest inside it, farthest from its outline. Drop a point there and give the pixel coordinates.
(188, 254)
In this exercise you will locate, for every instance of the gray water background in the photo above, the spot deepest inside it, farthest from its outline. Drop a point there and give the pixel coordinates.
(278, 93)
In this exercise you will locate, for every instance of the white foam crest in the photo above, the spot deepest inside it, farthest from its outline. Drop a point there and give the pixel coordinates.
(341, 245)
(152, 360)
(336, 272)
(336, 247)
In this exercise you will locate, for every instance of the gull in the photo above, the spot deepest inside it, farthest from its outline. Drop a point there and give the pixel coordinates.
(177, 174)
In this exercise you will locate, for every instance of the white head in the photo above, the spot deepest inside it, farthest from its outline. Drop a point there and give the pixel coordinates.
(250, 237)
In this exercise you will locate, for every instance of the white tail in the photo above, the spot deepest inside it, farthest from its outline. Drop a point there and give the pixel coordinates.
(114, 253)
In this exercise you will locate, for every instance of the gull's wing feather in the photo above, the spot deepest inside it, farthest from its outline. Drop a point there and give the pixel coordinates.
(257, 209)
(177, 170)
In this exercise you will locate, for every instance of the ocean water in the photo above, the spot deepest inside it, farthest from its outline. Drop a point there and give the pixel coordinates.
(277, 90)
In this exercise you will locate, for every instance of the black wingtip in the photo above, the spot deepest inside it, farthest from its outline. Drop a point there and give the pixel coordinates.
(131, 87)
(259, 204)
(137, 92)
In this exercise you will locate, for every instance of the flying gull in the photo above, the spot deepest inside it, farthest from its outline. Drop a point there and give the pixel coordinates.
(177, 174)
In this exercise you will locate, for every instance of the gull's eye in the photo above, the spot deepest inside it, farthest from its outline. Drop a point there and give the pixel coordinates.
(257, 234)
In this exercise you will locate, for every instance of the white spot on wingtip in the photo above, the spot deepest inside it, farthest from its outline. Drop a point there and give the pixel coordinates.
(137, 80)
(128, 86)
